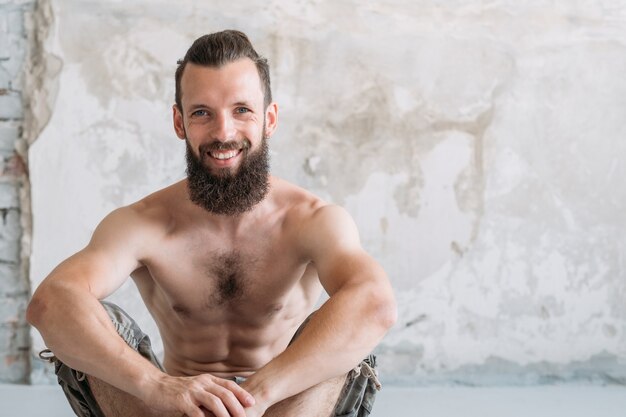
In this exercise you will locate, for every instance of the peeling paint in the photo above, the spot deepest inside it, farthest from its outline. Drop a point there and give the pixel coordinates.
(478, 148)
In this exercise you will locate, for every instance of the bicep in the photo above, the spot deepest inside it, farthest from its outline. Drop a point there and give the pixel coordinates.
(107, 261)
(333, 245)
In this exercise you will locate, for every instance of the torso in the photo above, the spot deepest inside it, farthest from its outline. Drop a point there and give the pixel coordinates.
(226, 300)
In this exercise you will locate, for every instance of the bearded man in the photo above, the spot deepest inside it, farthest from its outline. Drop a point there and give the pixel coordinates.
(230, 263)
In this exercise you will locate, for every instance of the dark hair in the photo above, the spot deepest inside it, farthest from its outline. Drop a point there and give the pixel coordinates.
(218, 49)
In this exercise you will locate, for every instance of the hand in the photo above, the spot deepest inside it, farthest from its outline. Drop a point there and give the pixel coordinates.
(261, 403)
(194, 395)
(255, 411)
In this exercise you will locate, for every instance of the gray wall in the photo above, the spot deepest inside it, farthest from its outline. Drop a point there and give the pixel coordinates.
(15, 40)
(477, 144)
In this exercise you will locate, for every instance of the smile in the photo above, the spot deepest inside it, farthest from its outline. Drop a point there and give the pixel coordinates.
(224, 155)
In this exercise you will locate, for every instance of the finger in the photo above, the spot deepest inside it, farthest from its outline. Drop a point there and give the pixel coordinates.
(213, 404)
(207, 413)
(230, 401)
(193, 411)
(244, 397)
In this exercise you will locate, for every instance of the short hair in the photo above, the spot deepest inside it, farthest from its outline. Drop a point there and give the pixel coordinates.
(218, 49)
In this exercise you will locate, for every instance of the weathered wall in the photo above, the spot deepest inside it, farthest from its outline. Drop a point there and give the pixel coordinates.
(15, 39)
(477, 145)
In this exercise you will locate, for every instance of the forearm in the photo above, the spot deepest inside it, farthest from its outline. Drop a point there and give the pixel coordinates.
(338, 336)
(78, 330)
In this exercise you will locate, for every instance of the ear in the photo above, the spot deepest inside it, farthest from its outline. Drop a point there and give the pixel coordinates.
(179, 126)
(271, 119)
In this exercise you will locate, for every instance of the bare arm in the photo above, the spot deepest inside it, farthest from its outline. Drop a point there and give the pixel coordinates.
(360, 310)
(67, 312)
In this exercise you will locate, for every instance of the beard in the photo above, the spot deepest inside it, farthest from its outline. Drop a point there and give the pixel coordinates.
(226, 192)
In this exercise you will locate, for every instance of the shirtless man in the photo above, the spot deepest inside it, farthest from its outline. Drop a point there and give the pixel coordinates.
(230, 263)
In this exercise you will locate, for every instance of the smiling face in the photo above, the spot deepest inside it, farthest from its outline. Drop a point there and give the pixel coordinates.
(226, 127)
(222, 115)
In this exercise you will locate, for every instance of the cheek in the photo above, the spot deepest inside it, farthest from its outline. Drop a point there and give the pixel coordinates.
(196, 129)
(254, 130)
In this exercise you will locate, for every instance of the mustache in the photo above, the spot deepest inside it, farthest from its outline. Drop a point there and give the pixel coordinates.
(231, 145)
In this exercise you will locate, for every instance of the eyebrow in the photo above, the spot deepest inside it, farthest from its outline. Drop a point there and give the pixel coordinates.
(243, 103)
(196, 106)
(204, 106)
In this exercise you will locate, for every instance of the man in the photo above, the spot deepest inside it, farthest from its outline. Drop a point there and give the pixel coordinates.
(230, 263)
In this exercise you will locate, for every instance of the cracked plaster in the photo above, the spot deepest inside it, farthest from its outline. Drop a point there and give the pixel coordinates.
(477, 144)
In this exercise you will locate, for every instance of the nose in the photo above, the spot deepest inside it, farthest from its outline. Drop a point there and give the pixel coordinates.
(223, 128)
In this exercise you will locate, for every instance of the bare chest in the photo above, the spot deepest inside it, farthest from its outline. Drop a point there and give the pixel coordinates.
(232, 275)
(214, 283)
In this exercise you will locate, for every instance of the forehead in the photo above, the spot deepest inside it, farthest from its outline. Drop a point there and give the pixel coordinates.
(236, 81)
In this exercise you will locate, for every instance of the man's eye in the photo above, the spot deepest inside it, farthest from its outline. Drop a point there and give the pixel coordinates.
(200, 113)
(242, 110)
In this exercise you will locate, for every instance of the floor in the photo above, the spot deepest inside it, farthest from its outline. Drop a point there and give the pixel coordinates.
(550, 401)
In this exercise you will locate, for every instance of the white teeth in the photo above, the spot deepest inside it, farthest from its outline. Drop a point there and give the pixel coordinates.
(224, 155)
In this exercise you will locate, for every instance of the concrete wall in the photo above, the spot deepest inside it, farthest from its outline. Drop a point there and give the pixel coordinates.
(477, 144)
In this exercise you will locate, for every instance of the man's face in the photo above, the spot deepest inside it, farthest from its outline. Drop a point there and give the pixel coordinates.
(224, 124)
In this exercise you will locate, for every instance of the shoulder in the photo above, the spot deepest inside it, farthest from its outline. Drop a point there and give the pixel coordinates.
(313, 222)
(148, 218)
(330, 226)
(298, 204)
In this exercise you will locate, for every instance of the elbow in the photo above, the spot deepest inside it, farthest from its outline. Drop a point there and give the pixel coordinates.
(384, 310)
(388, 313)
(35, 311)
(39, 306)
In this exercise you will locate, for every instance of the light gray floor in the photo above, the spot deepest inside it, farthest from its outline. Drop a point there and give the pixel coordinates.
(551, 401)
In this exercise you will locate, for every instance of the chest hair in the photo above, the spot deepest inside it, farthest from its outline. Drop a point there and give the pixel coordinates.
(227, 270)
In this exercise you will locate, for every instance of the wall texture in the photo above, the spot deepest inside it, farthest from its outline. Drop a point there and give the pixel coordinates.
(15, 41)
(477, 144)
